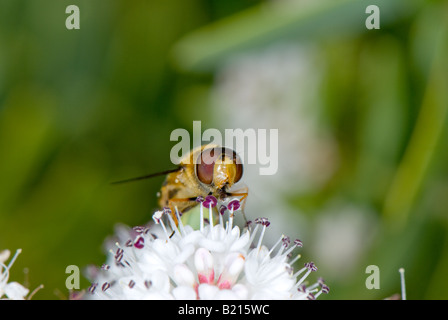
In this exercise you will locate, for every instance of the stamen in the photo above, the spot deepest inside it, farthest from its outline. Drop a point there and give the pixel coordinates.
(210, 200)
(5, 274)
(265, 223)
(313, 286)
(148, 284)
(302, 288)
(139, 243)
(105, 286)
(92, 288)
(320, 283)
(403, 284)
(118, 255)
(297, 243)
(234, 205)
(222, 210)
(129, 243)
(310, 267)
(253, 233)
(139, 229)
(276, 244)
(157, 217)
(324, 289)
(35, 291)
(201, 217)
(310, 296)
(210, 215)
(289, 270)
(18, 251)
(295, 259)
(172, 223)
(166, 211)
(285, 243)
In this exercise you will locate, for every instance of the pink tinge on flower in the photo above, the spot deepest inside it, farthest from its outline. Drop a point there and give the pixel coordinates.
(233, 266)
(203, 260)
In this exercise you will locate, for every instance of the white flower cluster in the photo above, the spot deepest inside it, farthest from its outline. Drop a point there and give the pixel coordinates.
(218, 261)
(11, 290)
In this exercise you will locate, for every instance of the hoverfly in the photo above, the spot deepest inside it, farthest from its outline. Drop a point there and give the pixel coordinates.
(206, 170)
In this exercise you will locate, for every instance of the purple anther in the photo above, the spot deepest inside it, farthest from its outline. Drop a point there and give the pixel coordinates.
(310, 296)
(286, 241)
(105, 286)
(119, 255)
(105, 267)
(298, 243)
(311, 266)
(92, 288)
(261, 221)
(210, 201)
(234, 205)
(139, 243)
(325, 289)
(148, 284)
(222, 209)
(139, 229)
(302, 288)
(128, 243)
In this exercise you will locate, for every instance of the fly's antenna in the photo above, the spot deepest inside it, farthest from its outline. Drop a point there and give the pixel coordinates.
(152, 175)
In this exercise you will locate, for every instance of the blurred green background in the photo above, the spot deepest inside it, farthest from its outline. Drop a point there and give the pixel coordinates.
(82, 108)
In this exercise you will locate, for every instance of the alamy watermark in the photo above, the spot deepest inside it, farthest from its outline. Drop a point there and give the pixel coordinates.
(254, 146)
(72, 281)
(373, 280)
(72, 21)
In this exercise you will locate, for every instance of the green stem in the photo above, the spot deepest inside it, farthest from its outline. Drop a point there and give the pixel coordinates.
(421, 149)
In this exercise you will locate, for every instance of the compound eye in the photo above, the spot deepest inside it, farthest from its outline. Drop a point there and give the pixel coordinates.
(239, 167)
(236, 161)
(206, 163)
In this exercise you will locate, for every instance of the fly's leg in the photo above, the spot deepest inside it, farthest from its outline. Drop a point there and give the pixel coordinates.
(184, 203)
